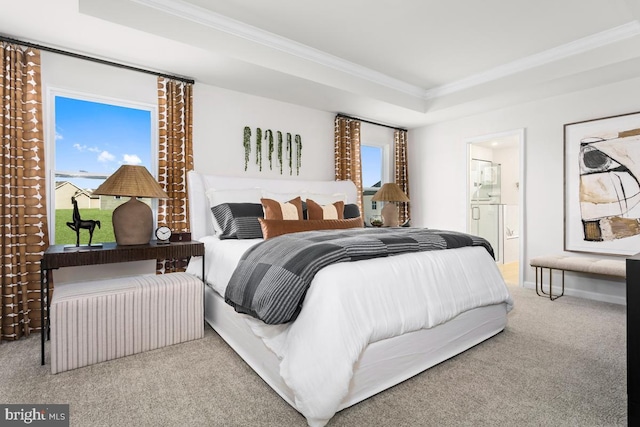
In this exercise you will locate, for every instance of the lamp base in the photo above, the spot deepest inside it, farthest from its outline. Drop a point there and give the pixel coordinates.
(132, 223)
(390, 215)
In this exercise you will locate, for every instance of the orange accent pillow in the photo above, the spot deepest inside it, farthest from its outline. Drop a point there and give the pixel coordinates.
(277, 227)
(291, 210)
(332, 211)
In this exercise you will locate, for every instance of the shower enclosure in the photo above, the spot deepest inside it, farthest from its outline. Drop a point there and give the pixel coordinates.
(486, 213)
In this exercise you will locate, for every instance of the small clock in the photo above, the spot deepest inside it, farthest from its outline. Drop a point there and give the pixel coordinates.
(163, 234)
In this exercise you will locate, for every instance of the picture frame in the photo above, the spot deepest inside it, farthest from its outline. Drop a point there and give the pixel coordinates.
(602, 185)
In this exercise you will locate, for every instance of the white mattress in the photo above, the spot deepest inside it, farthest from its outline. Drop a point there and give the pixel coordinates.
(352, 306)
(382, 364)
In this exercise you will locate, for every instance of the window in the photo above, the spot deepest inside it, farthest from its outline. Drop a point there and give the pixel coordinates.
(92, 138)
(373, 174)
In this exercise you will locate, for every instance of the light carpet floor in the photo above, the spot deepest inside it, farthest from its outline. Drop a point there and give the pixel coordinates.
(560, 363)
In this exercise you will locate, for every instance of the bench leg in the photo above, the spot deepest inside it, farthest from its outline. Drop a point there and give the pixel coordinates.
(551, 297)
(541, 293)
(537, 292)
(550, 294)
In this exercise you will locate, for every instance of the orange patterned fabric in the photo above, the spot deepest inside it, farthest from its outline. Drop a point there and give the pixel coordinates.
(291, 210)
(330, 211)
(348, 164)
(402, 171)
(175, 155)
(23, 208)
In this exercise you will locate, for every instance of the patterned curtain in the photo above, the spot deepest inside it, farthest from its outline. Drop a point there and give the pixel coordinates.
(23, 210)
(402, 171)
(175, 156)
(347, 154)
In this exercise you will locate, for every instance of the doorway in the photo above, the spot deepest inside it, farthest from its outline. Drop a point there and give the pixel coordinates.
(495, 198)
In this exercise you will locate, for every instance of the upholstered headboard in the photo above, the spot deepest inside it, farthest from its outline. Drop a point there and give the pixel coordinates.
(200, 213)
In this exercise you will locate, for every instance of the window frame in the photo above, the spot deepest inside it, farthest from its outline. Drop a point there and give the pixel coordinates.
(50, 142)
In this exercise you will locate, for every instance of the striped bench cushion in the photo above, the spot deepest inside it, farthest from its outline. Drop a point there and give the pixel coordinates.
(100, 320)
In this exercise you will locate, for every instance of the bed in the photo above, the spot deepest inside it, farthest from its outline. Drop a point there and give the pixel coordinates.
(361, 328)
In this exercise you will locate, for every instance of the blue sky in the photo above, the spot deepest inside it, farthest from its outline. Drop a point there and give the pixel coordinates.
(98, 138)
(371, 165)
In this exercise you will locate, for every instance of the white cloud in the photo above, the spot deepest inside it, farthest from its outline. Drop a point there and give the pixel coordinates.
(131, 159)
(58, 136)
(106, 156)
(93, 149)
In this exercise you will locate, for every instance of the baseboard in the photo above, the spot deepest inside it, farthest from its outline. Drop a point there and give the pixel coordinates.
(582, 294)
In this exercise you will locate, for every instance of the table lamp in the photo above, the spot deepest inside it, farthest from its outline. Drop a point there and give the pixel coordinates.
(132, 220)
(390, 193)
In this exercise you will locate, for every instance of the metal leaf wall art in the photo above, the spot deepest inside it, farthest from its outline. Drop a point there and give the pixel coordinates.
(292, 150)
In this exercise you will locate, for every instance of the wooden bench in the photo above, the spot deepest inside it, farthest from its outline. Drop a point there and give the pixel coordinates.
(100, 320)
(605, 267)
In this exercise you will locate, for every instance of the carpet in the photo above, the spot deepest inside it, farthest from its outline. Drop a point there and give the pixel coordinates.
(560, 363)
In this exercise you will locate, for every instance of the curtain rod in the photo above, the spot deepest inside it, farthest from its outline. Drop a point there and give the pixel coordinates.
(370, 122)
(93, 59)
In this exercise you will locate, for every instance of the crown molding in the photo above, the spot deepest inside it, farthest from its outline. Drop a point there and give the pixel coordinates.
(240, 29)
(575, 47)
(237, 28)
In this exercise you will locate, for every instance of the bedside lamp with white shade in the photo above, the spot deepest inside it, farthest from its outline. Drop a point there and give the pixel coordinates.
(390, 193)
(132, 220)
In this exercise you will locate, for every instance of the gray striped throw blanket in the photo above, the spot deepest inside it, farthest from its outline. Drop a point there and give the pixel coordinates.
(272, 277)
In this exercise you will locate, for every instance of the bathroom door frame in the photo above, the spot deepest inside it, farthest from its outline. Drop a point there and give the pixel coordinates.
(519, 134)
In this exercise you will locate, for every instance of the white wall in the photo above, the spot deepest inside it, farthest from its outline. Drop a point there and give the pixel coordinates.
(438, 164)
(220, 116)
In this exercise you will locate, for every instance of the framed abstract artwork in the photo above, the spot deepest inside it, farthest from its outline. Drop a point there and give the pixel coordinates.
(602, 185)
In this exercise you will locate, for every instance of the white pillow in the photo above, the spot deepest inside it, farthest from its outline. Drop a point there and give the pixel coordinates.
(217, 197)
(281, 197)
(320, 198)
(324, 199)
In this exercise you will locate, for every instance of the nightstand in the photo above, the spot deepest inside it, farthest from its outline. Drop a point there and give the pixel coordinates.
(57, 256)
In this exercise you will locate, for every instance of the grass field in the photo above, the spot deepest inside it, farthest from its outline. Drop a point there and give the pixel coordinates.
(66, 236)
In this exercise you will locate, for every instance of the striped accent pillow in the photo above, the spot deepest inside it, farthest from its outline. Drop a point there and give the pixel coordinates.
(332, 211)
(291, 210)
(238, 220)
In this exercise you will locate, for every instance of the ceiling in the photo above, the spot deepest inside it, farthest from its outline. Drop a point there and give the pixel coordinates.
(406, 63)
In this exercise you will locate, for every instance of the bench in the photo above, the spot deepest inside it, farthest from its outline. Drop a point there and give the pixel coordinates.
(101, 320)
(605, 267)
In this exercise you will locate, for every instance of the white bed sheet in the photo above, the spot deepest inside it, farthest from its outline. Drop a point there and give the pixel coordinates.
(221, 259)
(395, 296)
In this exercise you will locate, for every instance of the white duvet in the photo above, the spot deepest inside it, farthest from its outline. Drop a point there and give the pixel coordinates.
(350, 305)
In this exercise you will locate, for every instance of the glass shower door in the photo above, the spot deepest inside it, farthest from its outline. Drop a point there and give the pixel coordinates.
(484, 206)
(484, 221)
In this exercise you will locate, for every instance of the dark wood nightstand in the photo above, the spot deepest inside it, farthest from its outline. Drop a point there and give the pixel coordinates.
(57, 256)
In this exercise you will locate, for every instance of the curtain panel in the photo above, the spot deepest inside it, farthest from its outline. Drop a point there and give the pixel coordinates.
(175, 157)
(348, 164)
(23, 211)
(402, 171)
